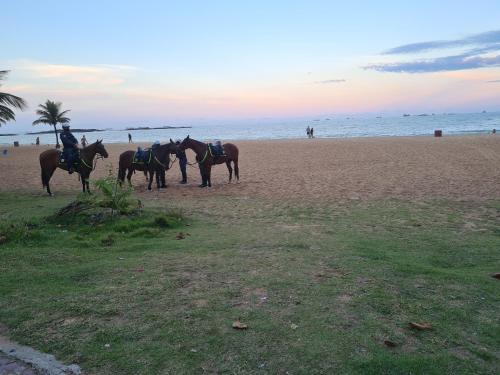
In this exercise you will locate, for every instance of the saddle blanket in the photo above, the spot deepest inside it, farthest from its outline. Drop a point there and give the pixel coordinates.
(216, 150)
(142, 156)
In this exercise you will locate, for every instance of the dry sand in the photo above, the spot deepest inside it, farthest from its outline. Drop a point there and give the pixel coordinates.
(334, 169)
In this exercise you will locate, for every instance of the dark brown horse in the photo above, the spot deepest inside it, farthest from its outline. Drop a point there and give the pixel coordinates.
(159, 164)
(49, 162)
(205, 159)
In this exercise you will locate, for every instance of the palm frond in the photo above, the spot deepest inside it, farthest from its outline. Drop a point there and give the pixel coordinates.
(9, 100)
(64, 112)
(50, 113)
(12, 100)
(6, 114)
(41, 121)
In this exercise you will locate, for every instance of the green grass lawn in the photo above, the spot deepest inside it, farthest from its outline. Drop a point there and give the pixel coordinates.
(321, 286)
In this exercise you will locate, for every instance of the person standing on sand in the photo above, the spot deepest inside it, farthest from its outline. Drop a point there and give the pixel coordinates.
(308, 131)
(37, 142)
(83, 141)
(312, 132)
(181, 155)
(129, 138)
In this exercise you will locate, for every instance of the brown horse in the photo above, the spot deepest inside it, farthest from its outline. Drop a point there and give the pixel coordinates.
(49, 162)
(205, 159)
(159, 164)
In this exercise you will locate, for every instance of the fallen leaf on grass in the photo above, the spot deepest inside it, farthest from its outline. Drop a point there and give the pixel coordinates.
(496, 275)
(181, 236)
(294, 326)
(239, 325)
(421, 326)
(139, 269)
(390, 344)
(3, 239)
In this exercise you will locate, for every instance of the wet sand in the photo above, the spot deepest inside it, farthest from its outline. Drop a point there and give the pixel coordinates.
(411, 168)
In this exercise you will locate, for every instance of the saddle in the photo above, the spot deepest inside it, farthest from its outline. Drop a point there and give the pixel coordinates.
(142, 156)
(76, 158)
(216, 150)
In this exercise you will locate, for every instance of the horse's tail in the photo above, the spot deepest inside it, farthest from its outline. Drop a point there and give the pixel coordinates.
(44, 183)
(121, 170)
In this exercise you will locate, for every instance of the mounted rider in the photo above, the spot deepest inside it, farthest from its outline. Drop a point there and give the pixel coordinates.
(70, 147)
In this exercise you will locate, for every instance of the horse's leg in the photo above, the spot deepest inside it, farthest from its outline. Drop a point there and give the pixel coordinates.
(164, 179)
(158, 178)
(87, 179)
(82, 178)
(230, 169)
(209, 172)
(203, 176)
(236, 169)
(121, 173)
(46, 176)
(129, 176)
(151, 176)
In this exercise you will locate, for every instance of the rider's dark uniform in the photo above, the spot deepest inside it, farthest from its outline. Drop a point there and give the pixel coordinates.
(70, 150)
(181, 155)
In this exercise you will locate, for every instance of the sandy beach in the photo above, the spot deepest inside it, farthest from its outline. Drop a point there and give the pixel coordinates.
(335, 169)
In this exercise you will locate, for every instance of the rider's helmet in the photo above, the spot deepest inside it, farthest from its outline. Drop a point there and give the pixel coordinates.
(65, 127)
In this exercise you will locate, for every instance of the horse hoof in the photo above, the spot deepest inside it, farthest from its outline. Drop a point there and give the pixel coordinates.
(202, 186)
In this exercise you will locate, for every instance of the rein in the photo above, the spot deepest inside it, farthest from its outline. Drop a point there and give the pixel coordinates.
(92, 168)
(172, 163)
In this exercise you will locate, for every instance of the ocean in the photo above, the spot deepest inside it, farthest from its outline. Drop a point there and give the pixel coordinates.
(324, 127)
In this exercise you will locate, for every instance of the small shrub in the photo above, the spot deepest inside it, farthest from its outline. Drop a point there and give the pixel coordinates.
(145, 232)
(116, 196)
(108, 241)
(162, 222)
(14, 232)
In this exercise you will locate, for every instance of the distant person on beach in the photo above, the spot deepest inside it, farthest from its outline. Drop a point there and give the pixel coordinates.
(312, 132)
(83, 141)
(37, 142)
(129, 138)
(181, 155)
(308, 131)
(494, 131)
(70, 147)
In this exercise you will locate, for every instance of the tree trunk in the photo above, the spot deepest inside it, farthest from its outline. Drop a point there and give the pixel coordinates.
(57, 139)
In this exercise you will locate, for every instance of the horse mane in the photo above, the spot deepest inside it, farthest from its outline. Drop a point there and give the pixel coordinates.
(88, 145)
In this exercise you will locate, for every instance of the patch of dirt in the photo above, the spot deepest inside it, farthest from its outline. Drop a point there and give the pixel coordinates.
(344, 298)
(251, 298)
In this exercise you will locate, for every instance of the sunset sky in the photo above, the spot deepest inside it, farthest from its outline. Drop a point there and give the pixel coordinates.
(117, 63)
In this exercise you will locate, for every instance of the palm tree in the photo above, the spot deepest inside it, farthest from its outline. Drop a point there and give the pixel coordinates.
(50, 113)
(9, 100)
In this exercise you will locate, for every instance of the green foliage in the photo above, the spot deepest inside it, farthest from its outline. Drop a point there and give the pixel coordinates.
(321, 286)
(113, 195)
(14, 232)
(50, 114)
(9, 100)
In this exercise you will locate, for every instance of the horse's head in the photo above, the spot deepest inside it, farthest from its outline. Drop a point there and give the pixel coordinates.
(184, 144)
(173, 147)
(100, 149)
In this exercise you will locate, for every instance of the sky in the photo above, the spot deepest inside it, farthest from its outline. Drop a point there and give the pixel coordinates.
(123, 63)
